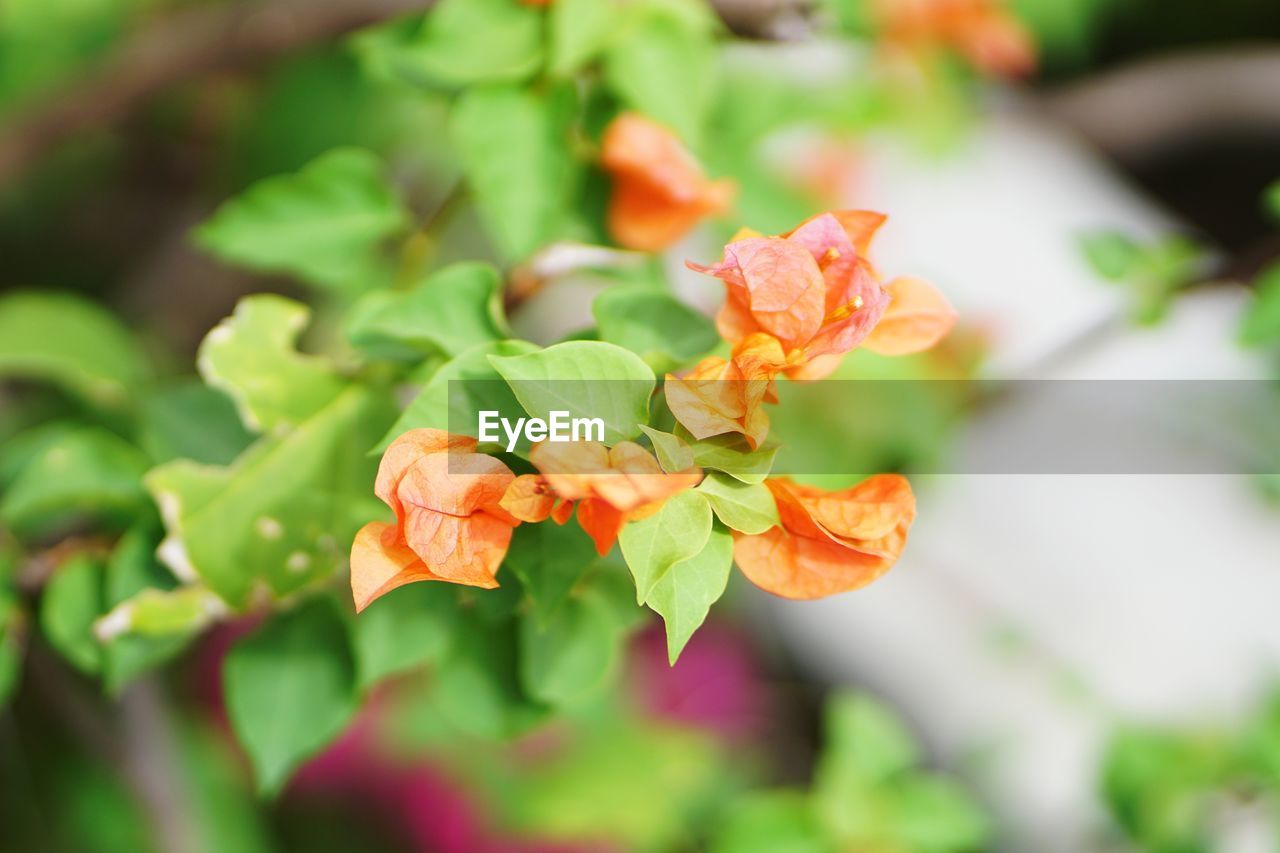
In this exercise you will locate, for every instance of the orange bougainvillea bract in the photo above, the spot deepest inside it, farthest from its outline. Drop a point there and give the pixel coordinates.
(794, 305)
(449, 525)
(983, 31)
(659, 190)
(722, 395)
(608, 487)
(828, 542)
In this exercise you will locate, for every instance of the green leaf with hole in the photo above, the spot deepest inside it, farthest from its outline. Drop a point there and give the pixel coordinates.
(652, 546)
(587, 379)
(683, 595)
(285, 513)
(655, 325)
(252, 356)
(71, 342)
(290, 688)
(745, 507)
(323, 224)
(516, 156)
(449, 311)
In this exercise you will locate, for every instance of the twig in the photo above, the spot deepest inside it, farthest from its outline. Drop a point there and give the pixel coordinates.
(176, 49)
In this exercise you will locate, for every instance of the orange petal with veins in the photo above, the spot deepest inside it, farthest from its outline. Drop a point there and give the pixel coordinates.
(918, 317)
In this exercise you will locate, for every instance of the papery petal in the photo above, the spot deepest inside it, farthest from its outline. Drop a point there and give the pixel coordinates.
(454, 483)
(797, 567)
(406, 450)
(466, 550)
(708, 400)
(382, 561)
(918, 317)
(563, 512)
(569, 466)
(870, 510)
(529, 498)
(659, 190)
(786, 292)
(602, 522)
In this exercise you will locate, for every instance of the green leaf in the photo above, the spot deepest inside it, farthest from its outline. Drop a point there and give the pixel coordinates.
(652, 546)
(323, 224)
(935, 815)
(72, 600)
(732, 455)
(1112, 255)
(580, 30)
(664, 67)
(478, 689)
(192, 421)
(10, 659)
(458, 391)
(864, 741)
(771, 822)
(572, 656)
(549, 559)
(672, 451)
(66, 340)
(655, 325)
(89, 473)
(290, 689)
(587, 379)
(450, 311)
(407, 628)
(1261, 322)
(285, 513)
(134, 574)
(515, 151)
(683, 596)
(465, 42)
(1271, 201)
(252, 356)
(745, 507)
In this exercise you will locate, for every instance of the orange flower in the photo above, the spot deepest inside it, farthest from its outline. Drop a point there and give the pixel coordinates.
(659, 191)
(718, 396)
(608, 486)
(982, 31)
(828, 542)
(815, 291)
(449, 525)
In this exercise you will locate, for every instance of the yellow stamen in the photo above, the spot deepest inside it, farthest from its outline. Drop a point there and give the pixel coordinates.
(844, 310)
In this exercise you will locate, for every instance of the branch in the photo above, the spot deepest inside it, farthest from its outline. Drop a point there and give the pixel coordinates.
(176, 49)
(1142, 108)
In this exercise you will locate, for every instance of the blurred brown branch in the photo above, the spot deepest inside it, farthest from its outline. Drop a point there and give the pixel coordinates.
(1144, 108)
(175, 49)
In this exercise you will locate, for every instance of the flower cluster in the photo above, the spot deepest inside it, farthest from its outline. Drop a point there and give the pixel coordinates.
(984, 32)
(794, 305)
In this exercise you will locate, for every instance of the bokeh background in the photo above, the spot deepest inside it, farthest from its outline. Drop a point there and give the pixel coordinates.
(1093, 658)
